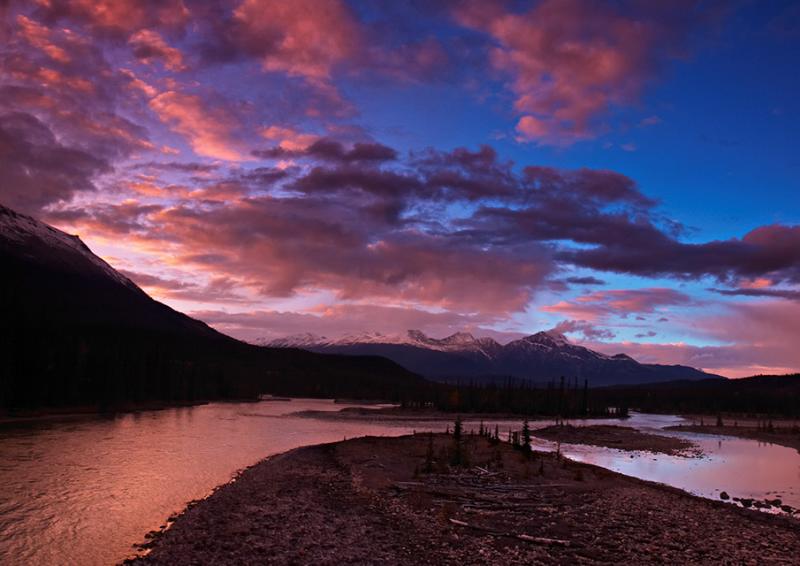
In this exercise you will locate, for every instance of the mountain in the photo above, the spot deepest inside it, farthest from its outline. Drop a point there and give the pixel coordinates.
(74, 331)
(538, 358)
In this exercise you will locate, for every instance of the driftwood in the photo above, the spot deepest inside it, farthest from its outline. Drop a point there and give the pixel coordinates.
(543, 540)
(527, 538)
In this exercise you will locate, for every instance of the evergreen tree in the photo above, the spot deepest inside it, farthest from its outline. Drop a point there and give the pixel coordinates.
(526, 437)
(458, 453)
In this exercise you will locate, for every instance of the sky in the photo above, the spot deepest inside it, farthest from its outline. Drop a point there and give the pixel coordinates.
(625, 172)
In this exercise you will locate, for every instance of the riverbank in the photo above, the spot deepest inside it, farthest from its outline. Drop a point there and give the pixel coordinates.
(397, 500)
(619, 437)
(783, 435)
(82, 411)
(398, 413)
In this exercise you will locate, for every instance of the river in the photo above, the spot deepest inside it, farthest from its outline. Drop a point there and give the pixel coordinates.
(83, 490)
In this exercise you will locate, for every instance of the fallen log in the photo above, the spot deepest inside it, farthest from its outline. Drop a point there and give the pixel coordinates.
(523, 537)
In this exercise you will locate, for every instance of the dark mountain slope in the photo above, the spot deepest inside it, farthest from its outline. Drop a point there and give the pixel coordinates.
(73, 331)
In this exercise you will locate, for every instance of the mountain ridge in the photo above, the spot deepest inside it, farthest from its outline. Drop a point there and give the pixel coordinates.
(538, 357)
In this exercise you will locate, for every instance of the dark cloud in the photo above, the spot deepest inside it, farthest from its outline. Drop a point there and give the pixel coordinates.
(341, 249)
(181, 167)
(327, 149)
(37, 170)
(585, 281)
(590, 331)
(790, 294)
(772, 251)
(595, 186)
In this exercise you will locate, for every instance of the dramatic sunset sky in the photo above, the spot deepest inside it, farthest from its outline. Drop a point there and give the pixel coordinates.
(625, 171)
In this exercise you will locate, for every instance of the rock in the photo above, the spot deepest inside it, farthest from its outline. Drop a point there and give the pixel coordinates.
(746, 502)
(724, 496)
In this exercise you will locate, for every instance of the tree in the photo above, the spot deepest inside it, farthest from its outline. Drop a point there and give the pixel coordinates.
(458, 453)
(526, 437)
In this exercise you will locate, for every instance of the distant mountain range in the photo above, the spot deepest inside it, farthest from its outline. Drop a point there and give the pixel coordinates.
(74, 331)
(537, 358)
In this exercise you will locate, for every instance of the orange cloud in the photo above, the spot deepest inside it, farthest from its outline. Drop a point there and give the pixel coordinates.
(209, 131)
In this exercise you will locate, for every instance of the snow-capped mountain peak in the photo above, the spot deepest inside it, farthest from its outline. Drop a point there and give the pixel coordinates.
(20, 229)
(541, 356)
(295, 341)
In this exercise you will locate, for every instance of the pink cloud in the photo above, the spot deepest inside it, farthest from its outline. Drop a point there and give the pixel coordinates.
(620, 302)
(752, 339)
(118, 17)
(149, 45)
(39, 36)
(210, 131)
(571, 61)
(303, 38)
(288, 138)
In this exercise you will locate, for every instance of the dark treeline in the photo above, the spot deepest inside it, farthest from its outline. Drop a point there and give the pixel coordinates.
(777, 396)
(107, 368)
(760, 395)
(565, 398)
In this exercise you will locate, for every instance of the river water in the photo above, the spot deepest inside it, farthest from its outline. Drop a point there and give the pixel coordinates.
(84, 490)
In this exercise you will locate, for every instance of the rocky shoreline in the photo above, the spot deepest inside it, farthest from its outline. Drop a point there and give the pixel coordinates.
(405, 501)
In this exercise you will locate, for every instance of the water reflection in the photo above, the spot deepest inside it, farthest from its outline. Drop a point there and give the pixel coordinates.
(83, 490)
(741, 467)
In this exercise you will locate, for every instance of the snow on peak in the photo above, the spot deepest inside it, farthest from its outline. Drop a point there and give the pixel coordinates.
(371, 338)
(548, 338)
(295, 340)
(459, 338)
(458, 342)
(557, 337)
(22, 229)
